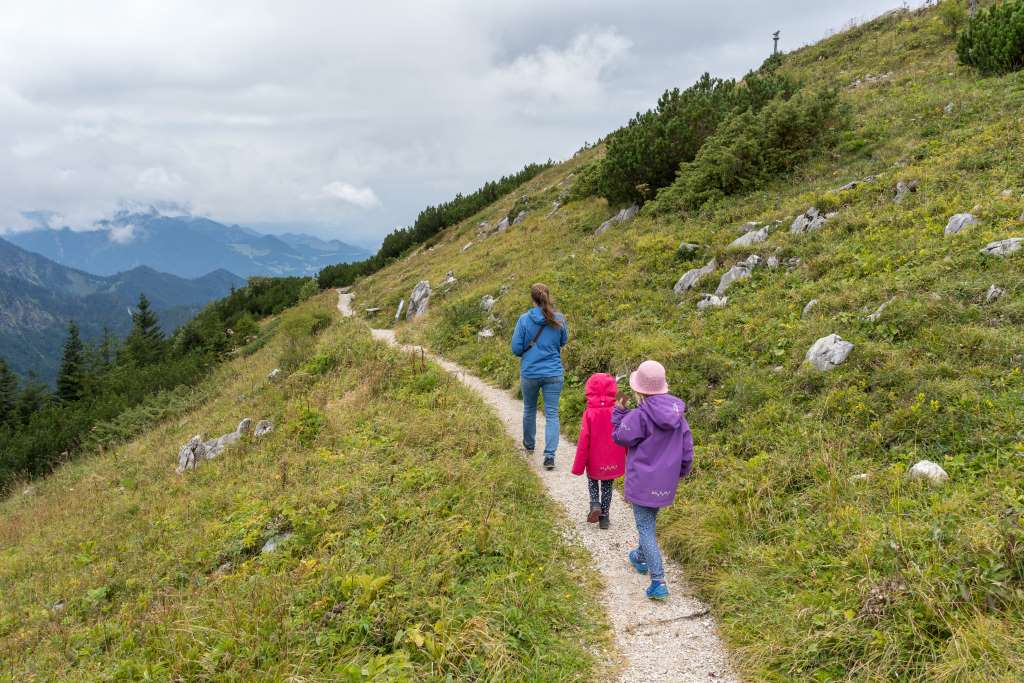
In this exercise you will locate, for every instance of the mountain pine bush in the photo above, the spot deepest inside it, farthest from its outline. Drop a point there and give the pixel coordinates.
(645, 155)
(749, 149)
(993, 41)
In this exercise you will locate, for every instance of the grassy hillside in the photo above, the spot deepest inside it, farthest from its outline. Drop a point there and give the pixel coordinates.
(814, 574)
(420, 548)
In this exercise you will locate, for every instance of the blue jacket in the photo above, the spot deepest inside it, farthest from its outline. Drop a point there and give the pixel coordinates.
(543, 359)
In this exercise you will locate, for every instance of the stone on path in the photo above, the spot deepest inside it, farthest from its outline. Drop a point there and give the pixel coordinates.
(807, 308)
(828, 352)
(621, 217)
(1010, 245)
(419, 300)
(690, 278)
(711, 301)
(958, 222)
(993, 293)
(749, 238)
(927, 471)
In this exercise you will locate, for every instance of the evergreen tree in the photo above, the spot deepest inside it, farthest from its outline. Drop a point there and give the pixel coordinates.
(145, 343)
(8, 393)
(33, 398)
(71, 378)
(107, 348)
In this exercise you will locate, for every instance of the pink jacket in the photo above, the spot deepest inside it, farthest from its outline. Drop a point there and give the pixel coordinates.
(595, 451)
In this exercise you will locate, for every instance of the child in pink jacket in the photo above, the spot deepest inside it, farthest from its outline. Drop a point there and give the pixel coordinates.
(603, 459)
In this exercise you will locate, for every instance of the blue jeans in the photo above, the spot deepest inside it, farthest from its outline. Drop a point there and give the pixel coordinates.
(551, 388)
(648, 551)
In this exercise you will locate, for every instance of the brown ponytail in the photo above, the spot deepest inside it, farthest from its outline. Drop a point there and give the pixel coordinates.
(542, 297)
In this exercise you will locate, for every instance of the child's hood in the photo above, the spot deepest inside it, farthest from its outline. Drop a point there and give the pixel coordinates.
(601, 390)
(664, 410)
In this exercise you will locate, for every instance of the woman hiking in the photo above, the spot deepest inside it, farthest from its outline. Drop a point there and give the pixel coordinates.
(538, 339)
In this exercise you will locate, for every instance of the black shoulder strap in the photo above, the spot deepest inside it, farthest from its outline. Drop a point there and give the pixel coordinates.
(537, 336)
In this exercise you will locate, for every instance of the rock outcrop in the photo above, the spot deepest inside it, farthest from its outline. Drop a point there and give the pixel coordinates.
(487, 302)
(215, 447)
(621, 217)
(1001, 248)
(419, 300)
(809, 221)
(828, 352)
(958, 222)
(690, 278)
(191, 454)
(741, 271)
(749, 238)
(928, 472)
(993, 293)
(878, 311)
(808, 308)
(711, 301)
(401, 307)
(520, 217)
(262, 428)
(903, 188)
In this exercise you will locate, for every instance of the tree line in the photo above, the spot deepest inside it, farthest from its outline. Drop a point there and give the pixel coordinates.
(41, 427)
(430, 221)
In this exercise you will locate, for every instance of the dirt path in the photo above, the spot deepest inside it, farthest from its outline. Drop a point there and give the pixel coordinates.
(670, 642)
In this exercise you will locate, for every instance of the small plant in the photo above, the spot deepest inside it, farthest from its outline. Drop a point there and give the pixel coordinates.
(953, 14)
(993, 41)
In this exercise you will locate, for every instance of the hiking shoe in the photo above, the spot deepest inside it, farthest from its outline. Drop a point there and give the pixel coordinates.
(602, 522)
(640, 567)
(549, 462)
(595, 512)
(657, 590)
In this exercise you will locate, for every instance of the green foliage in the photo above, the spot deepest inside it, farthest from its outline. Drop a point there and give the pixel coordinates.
(429, 223)
(953, 14)
(645, 155)
(71, 378)
(144, 345)
(587, 182)
(309, 289)
(993, 41)
(749, 149)
(8, 394)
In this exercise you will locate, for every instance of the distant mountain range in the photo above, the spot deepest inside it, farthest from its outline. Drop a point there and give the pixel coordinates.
(184, 245)
(38, 297)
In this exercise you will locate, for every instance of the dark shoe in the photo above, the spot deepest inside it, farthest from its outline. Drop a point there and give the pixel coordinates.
(549, 462)
(603, 521)
(595, 512)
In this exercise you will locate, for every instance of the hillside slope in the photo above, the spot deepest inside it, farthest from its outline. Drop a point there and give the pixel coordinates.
(38, 297)
(411, 543)
(815, 572)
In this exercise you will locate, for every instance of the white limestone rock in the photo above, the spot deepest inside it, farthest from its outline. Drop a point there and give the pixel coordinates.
(828, 352)
(711, 301)
(808, 308)
(621, 217)
(1001, 248)
(809, 221)
(690, 278)
(419, 300)
(993, 293)
(487, 302)
(958, 222)
(750, 238)
(928, 472)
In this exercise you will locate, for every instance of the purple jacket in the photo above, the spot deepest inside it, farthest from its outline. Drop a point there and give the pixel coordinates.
(660, 449)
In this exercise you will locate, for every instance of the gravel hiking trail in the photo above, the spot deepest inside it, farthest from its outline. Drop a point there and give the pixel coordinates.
(674, 641)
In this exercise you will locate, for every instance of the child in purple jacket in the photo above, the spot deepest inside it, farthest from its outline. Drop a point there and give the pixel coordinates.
(660, 454)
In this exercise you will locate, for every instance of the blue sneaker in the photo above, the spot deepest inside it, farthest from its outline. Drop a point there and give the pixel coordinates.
(640, 567)
(657, 590)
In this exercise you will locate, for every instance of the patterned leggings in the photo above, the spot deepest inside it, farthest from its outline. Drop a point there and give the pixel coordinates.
(600, 494)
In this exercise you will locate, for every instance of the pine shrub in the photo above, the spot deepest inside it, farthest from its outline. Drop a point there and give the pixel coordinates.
(993, 41)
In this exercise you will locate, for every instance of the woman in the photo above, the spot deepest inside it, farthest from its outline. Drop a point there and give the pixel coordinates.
(540, 334)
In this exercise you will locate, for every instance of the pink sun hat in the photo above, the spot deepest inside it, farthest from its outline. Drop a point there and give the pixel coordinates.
(649, 379)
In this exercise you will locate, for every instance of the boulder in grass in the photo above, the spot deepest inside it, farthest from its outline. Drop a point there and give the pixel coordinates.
(688, 248)
(485, 333)
(449, 279)
(958, 222)
(690, 278)
(274, 374)
(487, 302)
(741, 271)
(502, 224)
(903, 188)
(828, 352)
(275, 542)
(520, 217)
(928, 472)
(993, 293)
(621, 217)
(419, 300)
(262, 428)
(711, 301)
(401, 307)
(1001, 248)
(808, 307)
(809, 221)
(750, 238)
(191, 454)
(874, 317)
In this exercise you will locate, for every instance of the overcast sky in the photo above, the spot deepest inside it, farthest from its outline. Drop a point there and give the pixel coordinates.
(344, 118)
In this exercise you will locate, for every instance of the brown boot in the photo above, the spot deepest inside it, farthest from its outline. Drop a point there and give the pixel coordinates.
(595, 512)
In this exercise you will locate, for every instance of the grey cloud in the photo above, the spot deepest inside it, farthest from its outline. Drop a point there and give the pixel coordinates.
(248, 110)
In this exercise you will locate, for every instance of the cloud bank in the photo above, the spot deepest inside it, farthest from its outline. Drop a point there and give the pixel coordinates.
(343, 122)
